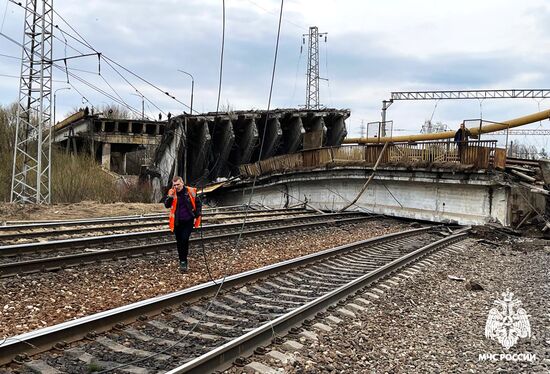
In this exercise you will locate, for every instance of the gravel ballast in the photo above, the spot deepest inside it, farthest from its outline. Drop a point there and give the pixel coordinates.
(433, 323)
(35, 301)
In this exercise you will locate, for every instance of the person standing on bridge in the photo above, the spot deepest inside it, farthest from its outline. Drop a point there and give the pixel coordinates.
(185, 213)
(461, 140)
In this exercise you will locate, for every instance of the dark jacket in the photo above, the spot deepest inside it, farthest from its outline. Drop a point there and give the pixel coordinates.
(184, 209)
(462, 135)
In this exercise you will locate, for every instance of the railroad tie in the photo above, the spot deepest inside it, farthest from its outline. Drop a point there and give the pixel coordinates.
(162, 326)
(322, 327)
(116, 347)
(190, 320)
(146, 338)
(87, 358)
(292, 346)
(41, 367)
(280, 356)
(256, 367)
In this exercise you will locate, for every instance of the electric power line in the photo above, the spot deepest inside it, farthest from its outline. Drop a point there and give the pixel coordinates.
(220, 287)
(221, 57)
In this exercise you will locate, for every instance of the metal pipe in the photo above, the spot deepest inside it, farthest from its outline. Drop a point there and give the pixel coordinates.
(539, 116)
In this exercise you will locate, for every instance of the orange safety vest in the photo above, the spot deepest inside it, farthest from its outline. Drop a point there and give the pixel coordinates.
(192, 192)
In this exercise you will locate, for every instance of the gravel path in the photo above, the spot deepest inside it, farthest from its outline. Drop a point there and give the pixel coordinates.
(433, 324)
(84, 209)
(35, 301)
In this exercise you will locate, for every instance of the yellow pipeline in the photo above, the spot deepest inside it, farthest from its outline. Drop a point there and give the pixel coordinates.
(545, 114)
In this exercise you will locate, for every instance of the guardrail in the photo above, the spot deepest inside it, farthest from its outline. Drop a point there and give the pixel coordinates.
(476, 155)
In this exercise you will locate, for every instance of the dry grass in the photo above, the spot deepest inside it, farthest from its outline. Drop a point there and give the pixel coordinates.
(78, 178)
(74, 178)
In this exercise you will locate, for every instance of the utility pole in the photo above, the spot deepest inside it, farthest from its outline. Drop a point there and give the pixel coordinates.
(312, 83)
(31, 169)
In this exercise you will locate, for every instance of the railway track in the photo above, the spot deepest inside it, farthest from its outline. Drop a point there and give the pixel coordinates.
(54, 255)
(207, 211)
(202, 329)
(40, 231)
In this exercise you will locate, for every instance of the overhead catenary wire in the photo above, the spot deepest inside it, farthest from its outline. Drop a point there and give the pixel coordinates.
(110, 64)
(301, 27)
(84, 42)
(4, 16)
(82, 80)
(9, 56)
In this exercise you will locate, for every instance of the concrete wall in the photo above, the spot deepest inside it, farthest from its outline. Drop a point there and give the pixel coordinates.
(434, 196)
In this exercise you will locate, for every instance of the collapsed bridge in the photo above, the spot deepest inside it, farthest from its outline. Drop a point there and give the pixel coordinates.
(205, 147)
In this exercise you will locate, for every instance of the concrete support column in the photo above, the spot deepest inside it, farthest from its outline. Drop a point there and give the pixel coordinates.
(102, 126)
(124, 154)
(106, 156)
(116, 126)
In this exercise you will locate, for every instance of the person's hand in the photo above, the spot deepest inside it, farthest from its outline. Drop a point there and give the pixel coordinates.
(171, 192)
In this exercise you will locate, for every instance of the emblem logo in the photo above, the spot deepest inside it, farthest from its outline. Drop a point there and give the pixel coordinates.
(507, 322)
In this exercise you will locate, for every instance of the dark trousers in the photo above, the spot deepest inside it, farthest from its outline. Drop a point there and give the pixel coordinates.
(182, 231)
(462, 151)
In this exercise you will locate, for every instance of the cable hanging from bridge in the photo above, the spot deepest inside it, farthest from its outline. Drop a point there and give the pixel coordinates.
(221, 58)
(238, 240)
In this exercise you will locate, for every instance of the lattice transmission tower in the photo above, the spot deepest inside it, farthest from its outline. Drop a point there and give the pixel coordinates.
(312, 84)
(32, 152)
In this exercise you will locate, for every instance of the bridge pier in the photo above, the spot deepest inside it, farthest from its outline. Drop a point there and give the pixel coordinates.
(106, 156)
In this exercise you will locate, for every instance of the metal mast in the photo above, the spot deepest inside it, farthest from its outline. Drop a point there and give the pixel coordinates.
(312, 84)
(31, 162)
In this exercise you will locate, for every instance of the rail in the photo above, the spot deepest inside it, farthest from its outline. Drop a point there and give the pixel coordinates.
(476, 155)
(44, 339)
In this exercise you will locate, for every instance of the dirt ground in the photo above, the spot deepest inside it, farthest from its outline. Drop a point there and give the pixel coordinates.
(85, 209)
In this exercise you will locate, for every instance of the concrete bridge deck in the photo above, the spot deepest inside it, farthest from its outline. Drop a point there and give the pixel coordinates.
(434, 181)
(102, 136)
(438, 195)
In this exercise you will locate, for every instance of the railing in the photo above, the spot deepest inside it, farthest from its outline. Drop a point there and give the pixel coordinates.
(475, 155)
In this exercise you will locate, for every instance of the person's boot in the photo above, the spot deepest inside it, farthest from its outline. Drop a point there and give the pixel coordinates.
(183, 267)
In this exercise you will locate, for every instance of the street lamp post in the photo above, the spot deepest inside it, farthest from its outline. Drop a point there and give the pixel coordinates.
(192, 89)
(142, 104)
(54, 96)
(185, 125)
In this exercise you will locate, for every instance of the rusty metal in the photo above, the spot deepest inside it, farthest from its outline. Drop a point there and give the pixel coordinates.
(535, 117)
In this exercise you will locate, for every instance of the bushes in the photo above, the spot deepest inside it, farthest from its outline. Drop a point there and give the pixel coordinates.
(74, 178)
(78, 178)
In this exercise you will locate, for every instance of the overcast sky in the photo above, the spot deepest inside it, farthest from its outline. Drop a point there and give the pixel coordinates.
(372, 49)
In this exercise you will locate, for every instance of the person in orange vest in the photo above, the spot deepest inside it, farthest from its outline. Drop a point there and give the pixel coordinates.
(185, 213)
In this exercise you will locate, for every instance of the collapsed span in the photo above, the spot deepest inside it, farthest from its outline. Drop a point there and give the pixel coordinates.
(216, 144)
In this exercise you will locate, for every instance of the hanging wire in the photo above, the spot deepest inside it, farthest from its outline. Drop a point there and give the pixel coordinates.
(433, 111)
(328, 75)
(296, 76)
(221, 57)
(4, 16)
(239, 237)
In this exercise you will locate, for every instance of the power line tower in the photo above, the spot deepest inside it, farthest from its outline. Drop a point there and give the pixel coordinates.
(312, 84)
(31, 162)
